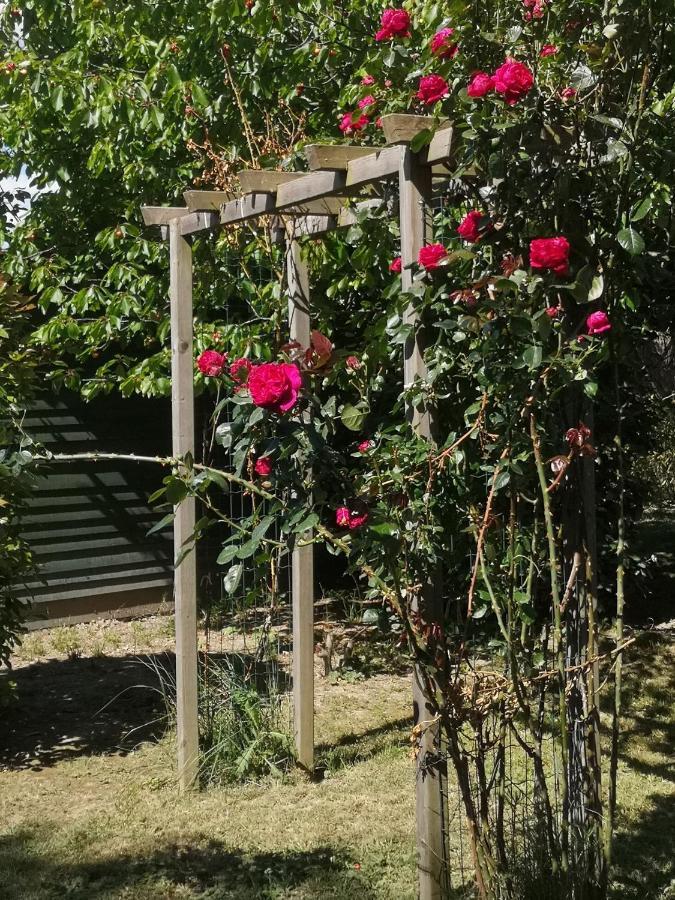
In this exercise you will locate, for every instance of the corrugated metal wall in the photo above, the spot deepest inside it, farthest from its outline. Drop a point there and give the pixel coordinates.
(88, 521)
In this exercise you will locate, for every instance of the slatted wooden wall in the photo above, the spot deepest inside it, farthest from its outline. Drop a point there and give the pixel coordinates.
(87, 523)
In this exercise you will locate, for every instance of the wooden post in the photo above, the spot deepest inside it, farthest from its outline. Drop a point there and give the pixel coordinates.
(185, 575)
(431, 793)
(302, 558)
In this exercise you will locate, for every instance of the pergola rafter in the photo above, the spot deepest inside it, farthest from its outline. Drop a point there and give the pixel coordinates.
(337, 189)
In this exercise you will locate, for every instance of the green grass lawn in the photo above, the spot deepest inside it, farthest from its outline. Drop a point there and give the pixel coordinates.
(81, 816)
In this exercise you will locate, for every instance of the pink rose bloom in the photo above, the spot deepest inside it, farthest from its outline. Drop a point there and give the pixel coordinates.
(263, 466)
(469, 227)
(514, 80)
(598, 323)
(550, 253)
(568, 93)
(367, 80)
(442, 45)
(388, 82)
(548, 50)
(356, 520)
(395, 265)
(366, 101)
(239, 370)
(211, 363)
(275, 386)
(395, 23)
(431, 255)
(432, 89)
(353, 362)
(553, 312)
(378, 122)
(349, 124)
(480, 85)
(365, 446)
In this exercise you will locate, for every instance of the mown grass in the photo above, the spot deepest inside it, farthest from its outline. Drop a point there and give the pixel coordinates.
(99, 824)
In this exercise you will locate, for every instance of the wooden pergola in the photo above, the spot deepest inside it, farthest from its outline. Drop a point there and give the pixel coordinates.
(329, 196)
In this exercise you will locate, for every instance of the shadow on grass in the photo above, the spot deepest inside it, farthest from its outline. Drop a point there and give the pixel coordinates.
(353, 748)
(209, 870)
(644, 862)
(648, 725)
(90, 706)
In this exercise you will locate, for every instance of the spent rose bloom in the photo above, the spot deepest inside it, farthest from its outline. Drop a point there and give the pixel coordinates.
(513, 79)
(442, 44)
(480, 85)
(598, 322)
(353, 362)
(369, 100)
(378, 122)
(431, 255)
(350, 122)
(553, 311)
(367, 80)
(365, 446)
(550, 253)
(395, 265)
(432, 88)
(239, 370)
(211, 363)
(275, 386)
(548, 50)
(394, 23)
(342, 516)
(568, 93)
(469, 227)
(263, 466)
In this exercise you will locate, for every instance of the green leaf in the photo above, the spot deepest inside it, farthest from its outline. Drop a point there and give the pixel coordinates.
(421, 139)
(161, 524)
(232, 578)
(352, 418)
(227, 554)
(641, 210)
(532, 356)
(582, 78)
(176, 490)
(631, 241)
(615, 150)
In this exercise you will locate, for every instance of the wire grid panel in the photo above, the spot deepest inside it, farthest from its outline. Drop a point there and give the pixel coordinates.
(247, 603)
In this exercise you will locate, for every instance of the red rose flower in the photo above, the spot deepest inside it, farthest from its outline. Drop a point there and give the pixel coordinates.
(349, 124)
(513, 79)
(239, 370)
(395, 23)
(211, 363)
(353, 362)
(553, 312)
(275, 386)
(550, 253)
(480, 85)
(351, 517)
(431, 255)
(367, 80)
(263, 466)
(395, 265)
(366, 101)
(568, 93)
(548, 50)
(365, 446)
(598, 323)
(469, 228)
(432, 89)
(442, 45)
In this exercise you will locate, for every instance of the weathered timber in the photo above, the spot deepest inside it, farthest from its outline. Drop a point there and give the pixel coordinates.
(185, 579)
(198, 201)
(333, 156)
(162, 215)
